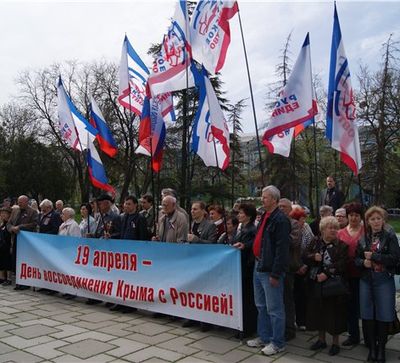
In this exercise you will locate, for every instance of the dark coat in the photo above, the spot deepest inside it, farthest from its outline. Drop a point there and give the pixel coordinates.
(149, 216)
(134, 227)
(275, 243)
(326, 313)
(388, 254)
(113, 223)
(50, 223)
(207, 231)
(26, 219)
(335, 199)
(5, 247)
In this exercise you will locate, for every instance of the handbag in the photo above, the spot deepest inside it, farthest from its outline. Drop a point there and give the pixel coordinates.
(394, 326)
(333, 286)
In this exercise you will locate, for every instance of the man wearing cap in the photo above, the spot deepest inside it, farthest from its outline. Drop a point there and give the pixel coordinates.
(109, 223)
(23, 218)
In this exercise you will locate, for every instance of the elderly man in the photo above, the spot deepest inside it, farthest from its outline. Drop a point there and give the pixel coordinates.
(332, 196)
(59, 206)
(49, 220)
(295, 265)
(172, 225)
(23, 218)
(109, 223)
(172, 192)
(271, 251)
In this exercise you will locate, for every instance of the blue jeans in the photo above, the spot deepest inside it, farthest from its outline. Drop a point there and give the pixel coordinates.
(271, 309)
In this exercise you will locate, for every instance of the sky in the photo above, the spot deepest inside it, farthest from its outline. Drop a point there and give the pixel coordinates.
(36, 34)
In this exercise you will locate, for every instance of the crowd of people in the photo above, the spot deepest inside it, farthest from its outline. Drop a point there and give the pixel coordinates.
(324, 276)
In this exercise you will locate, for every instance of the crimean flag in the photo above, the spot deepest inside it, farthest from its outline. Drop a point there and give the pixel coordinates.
(210, 136)
(295, 103)
(104, 136)
(74, 128)
(171, 67)
(210, 32)
(341, 126)
(133, 75)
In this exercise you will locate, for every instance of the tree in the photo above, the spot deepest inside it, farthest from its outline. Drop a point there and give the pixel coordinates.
(379, 99)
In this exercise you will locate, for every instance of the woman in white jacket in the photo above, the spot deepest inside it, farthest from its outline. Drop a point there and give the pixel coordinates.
(69, 227)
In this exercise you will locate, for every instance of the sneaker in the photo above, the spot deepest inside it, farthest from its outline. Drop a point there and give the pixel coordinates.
(256, 343)
(271, 349)
(302, 327)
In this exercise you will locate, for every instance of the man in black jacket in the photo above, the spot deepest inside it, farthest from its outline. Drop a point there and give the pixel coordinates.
(332, 196)
(133, 224)
(271, 251)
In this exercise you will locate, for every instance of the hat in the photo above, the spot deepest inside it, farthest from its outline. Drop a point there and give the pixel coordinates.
(6, 209)
(104, 197)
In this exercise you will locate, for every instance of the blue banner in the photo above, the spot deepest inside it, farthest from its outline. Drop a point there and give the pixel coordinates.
(200, 282)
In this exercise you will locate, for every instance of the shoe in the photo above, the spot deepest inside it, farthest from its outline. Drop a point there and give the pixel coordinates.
(157, 315)
(6, 283)
(256, 343)
(271, 349)
(115, 307)
(204, 327)
(188, 323)
(92, 302)
(335, 349)
(109, 304)
(302, 328)
(350, 342)
(318, 345)
(23, 287)
(127, 310)
(69, 296)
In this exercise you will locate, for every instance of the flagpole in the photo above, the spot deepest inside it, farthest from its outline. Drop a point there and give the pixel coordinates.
(252, 100)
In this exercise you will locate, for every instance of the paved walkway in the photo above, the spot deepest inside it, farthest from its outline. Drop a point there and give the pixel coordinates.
(38, 328)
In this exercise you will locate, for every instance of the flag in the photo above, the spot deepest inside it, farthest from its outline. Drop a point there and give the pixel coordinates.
(97, 174)
(341, 126)
(74, 128)
(210, 135)
(295, 103)
(104, 136)
(210, 32)
(280, 142)
(152, 129)
(171, 67)
(133, 75)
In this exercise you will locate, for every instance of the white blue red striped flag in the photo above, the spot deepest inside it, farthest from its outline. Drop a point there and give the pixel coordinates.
(341, 126)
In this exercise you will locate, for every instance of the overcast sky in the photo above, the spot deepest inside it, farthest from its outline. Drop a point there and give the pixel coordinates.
(36, 34)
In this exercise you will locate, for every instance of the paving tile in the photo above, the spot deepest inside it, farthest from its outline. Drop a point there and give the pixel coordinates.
(5, 328)
(89, 335)
(117, 329)
(4, 316)
(155, 352)
(97, 317)
(67, 358)
(323, 356)
(42, 321)
(33, 331)
(92, 326)
(9, 310)
(258, 358)
(5, 348)
(293, 358)
(19, 356)
(67, 331)
(393, 344)
(300, 351)
(54, 306)
(155, 360)
(153, 340)
(215, 345)
(191, 360)
(125, 347)
(67, 318)
(47, 350)
(231, 357)
(87, 348)
(180, 345)
(21, 343)
(45, 313)
(150, 329)
(25, 316)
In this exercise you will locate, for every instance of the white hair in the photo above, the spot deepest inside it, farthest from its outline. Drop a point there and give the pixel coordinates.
(46, 203)
(69, 211)
(273, 191)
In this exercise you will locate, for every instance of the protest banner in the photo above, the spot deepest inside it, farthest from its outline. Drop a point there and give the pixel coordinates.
(194, 281)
